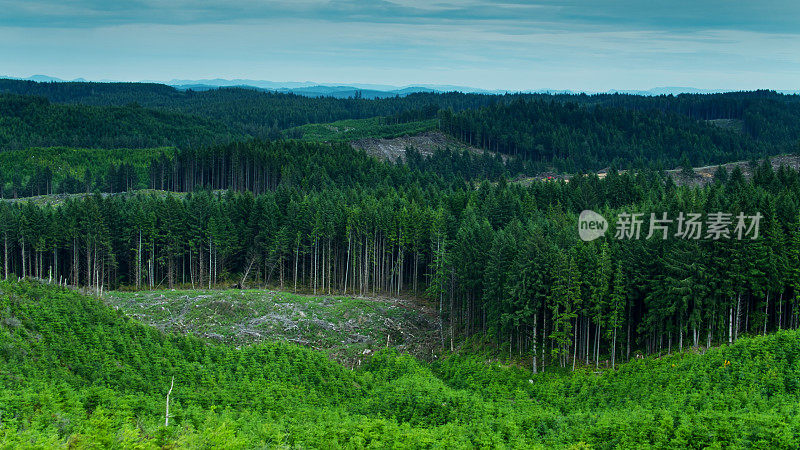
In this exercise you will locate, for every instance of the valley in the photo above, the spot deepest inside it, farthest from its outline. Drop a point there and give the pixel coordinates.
(442, 225)
(287, 271)
(77, 373)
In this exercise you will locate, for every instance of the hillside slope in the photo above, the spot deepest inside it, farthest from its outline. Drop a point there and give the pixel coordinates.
(27, 121)
(572, 132)
(77, 373)
(427, 144)
(708, 174)
(346, 328)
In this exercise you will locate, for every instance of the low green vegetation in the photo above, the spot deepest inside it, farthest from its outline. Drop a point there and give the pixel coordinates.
(76, 373)
(355, 129)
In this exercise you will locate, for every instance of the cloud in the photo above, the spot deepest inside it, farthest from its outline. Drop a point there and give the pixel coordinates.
(493, 44)
(766, 16)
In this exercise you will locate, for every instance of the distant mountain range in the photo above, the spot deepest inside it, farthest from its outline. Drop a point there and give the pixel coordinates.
(316, 90)
(372, 91)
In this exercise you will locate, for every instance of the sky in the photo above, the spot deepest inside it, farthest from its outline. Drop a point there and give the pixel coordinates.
(588, 45)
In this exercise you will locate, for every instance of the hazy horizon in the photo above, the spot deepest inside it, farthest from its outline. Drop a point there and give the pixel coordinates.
(293, 85)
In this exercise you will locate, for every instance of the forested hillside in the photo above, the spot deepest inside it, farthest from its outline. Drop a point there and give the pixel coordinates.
(587, 132)
(27, 121)
(78, 374)
(577, 138)
(356, 225)
(501, 262)
(409, 255)
(42, 171)
(248, 111)
(569, 132)
(255, 166)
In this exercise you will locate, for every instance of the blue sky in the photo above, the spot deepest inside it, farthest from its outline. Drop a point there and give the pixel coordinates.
(573, 44)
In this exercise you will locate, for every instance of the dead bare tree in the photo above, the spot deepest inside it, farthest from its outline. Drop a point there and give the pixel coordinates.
(252, 258)
(166, 416)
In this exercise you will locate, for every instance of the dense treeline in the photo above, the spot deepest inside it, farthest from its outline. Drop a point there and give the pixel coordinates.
(64, 170)
(255, 166)
(501, 261)
(76, 373)
(251, 112)
(573, 137)
(27, 121)
(259, 166)
(764, 114)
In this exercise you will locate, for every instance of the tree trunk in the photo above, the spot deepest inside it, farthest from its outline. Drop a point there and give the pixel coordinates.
(5, 254)
(535, 316)
(250, 264)
(296, 258)
(76, 275)
(597, 346)
(23, 258)
(347, 263)
(139, 261)
(544, 336)
(738, 316)
(730, 324)
(628, 345)
(166, 416)
(586, 339)
(575, 345)
(614, 348)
